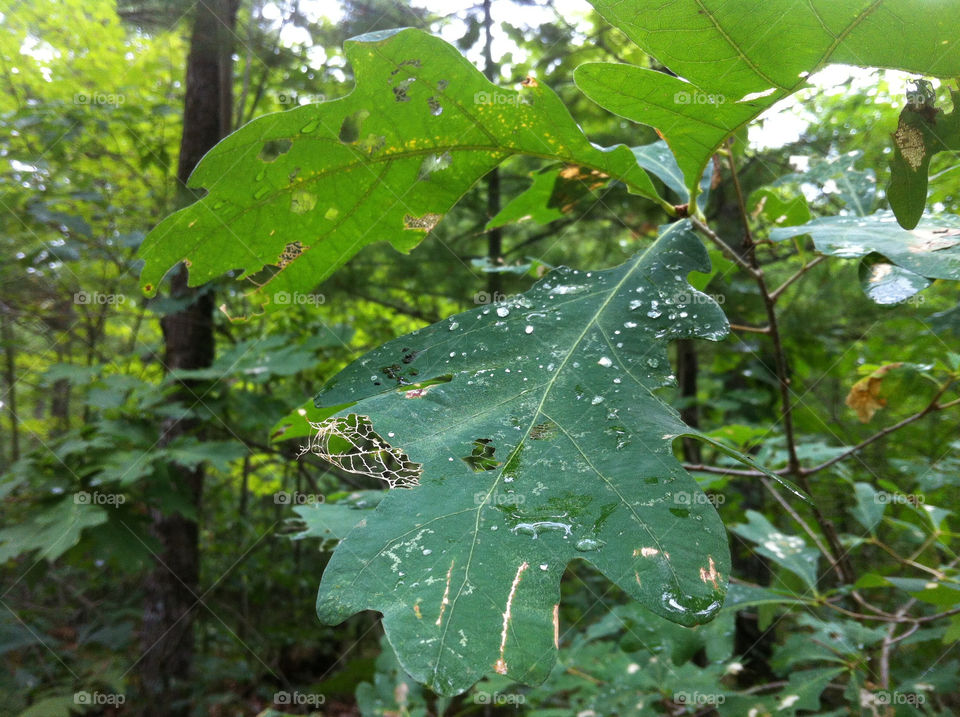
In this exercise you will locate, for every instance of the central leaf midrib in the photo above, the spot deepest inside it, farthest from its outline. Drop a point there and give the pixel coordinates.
(614, 291)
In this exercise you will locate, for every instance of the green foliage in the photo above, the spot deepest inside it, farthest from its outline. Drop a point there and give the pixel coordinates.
(842, 603)
(556, 382)
(731, 64)
(317, 183)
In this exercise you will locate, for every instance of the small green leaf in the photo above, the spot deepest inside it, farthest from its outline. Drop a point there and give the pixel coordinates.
(788, 551)
(869, 510)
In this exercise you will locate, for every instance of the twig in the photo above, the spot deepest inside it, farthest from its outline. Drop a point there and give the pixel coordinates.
(800, 272)
(752, 329)
(932, 406)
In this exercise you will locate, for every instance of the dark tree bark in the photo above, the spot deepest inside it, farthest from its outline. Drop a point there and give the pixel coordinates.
(687, 368)
(172, 589)
(10, 376)
(494, 236)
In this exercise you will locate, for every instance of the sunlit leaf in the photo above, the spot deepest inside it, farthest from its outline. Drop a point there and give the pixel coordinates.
(734, 60)
(292, 196)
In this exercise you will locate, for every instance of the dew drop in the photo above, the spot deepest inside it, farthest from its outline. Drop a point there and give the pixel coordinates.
(587, 545)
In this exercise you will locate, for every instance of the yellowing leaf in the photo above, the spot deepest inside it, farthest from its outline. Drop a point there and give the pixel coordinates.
(864, 396)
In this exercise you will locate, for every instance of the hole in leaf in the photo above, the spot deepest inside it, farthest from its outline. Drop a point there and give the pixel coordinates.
(400, 90)
(290, 252)
(435, 108)
(481, 459)
(426, 223)
(434, 163)
(350, 127)
(351, 444)
(274, 148)
(543, 431)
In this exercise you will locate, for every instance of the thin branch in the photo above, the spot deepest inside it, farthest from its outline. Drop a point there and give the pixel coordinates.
(751, 329)
(931, 407)
(800, 272)
(712, 236)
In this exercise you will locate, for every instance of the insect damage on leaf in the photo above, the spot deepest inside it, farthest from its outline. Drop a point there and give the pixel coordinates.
(864, 396)
(351, 444)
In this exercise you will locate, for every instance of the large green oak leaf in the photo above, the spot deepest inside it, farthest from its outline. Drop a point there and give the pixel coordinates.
(293, 195)
(533, 436)
(733, 60)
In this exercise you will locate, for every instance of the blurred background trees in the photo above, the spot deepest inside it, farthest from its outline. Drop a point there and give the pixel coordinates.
(116, 577)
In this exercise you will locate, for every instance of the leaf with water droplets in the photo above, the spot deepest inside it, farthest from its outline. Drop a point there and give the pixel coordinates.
(535, 448)
(898, 263)
(384, 163)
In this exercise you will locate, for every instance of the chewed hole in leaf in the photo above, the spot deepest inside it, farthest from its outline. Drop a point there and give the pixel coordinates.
(290, 252)
(274, 148)
(481, 459)
(400, 89)
(350, 127)
(426, 223)
(543, 431)
(351, 444)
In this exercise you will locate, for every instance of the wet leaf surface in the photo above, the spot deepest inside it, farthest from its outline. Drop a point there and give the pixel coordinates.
(545, 444)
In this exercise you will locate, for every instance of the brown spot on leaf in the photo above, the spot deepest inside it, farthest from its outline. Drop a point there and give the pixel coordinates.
(710, 575)
(909, 140)
(529, 81)
(864, 396)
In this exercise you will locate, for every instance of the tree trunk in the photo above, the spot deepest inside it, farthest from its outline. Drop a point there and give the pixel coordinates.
(173, 587)
(494, 236)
